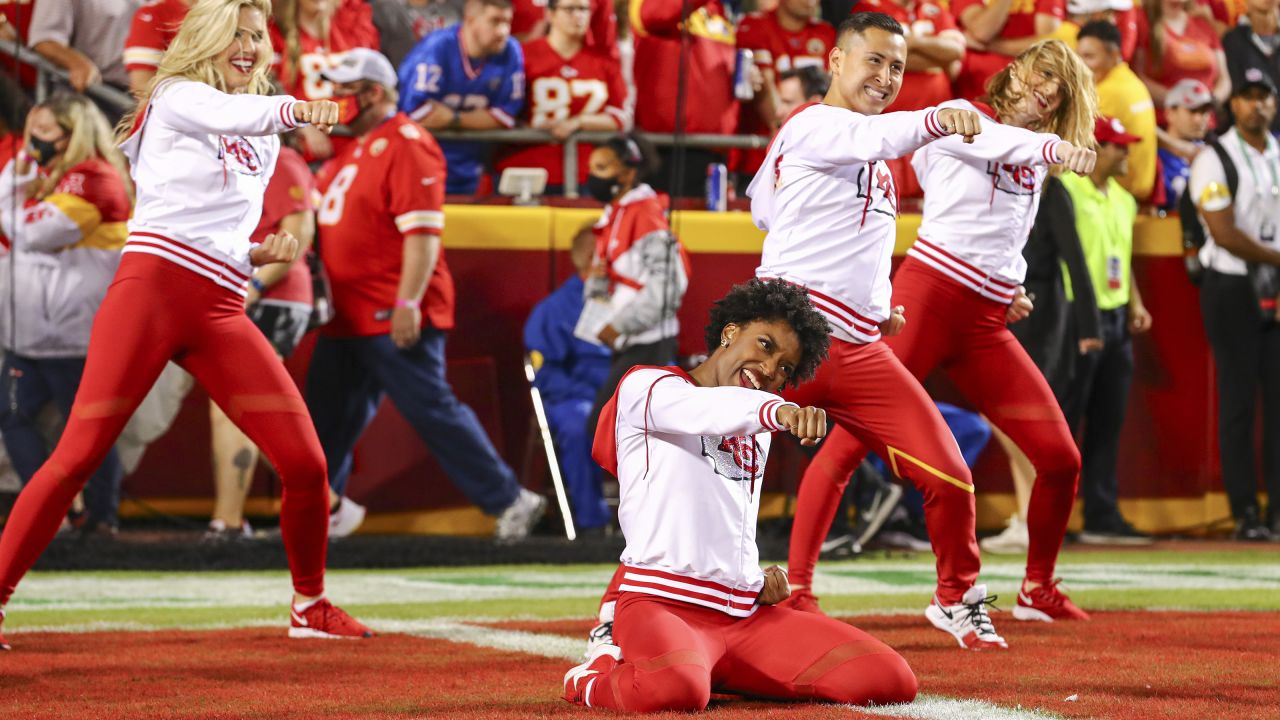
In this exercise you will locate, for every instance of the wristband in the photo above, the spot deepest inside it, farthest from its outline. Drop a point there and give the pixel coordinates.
(402, 303)
(257, 284)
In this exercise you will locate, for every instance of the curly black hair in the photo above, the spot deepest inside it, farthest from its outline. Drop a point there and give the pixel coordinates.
(769, 300)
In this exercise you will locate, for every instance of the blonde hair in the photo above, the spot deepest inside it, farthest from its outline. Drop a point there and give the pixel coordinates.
(286, 18)
(1073, 120)
(88, 136)
(209, 28)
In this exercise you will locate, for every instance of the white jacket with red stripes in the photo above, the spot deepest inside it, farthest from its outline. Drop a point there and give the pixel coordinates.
(980, 201)
(830, 207)
(690, 466)
(201, 160)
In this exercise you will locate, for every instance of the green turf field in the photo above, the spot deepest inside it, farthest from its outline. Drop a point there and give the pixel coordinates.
(1247, 578)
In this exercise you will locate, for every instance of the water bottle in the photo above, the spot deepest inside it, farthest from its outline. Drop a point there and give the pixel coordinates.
(742, 89)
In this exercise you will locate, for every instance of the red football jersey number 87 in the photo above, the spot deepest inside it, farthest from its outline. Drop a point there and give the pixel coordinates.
(555, 98)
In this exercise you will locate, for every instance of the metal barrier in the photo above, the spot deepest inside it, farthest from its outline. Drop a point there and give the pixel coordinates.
(530, 136)
(46, 72)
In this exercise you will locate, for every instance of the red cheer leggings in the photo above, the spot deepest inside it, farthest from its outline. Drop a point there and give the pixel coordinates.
(156, 311)
(953, 328)
(675, 654)
(869, 394)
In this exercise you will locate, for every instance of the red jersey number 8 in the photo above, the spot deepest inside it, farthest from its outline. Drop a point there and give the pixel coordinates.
(335, 197)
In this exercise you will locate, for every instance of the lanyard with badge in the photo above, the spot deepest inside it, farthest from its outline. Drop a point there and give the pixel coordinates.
(1267, 229)
(1264, 277)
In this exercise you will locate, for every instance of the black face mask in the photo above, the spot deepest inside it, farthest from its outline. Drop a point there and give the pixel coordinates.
(43, 151)
(602, 188)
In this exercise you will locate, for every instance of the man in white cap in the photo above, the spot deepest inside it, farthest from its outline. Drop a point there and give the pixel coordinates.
(380, 222)
(1121, 95)
(1187, 109)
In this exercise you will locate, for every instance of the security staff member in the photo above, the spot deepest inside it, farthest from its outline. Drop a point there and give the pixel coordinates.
(1244, 328)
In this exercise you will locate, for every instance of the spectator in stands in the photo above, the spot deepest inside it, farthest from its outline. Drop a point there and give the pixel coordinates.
(279, 303)
(996, 31)
(14, 107)
(934, 46)
(531, 20)
(1255, 44)
(799, 86)
(380, 222)
(1099, 392)
(402, 23)
(568, 373)
(571, 88)
(469, 77)
(150, 32)
(85, 38)
(67, 225)
(1179, 44)
(1241, 224)
(309, 36)
(1120, 13)
(1225, 14)
(1187, 109)
(15, 18)
(1121, 95)
(639, 272)
(689, 89)
(786, 38)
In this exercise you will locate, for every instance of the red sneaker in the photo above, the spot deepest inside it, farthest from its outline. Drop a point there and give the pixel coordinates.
(326, 621)
(3, 644)
(580, 679)
(1046, 603)
(803, 600)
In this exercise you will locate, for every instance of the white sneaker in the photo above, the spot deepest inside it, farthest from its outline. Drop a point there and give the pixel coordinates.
(968, 621)
(345, 520)
(1013, 541)
(518, 519)
(601, 634)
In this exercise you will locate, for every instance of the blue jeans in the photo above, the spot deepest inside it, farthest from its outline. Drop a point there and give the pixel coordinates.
(346, 381)
(30, 384)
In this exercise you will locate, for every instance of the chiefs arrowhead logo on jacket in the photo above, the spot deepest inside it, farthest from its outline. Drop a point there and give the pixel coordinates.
(735, 458)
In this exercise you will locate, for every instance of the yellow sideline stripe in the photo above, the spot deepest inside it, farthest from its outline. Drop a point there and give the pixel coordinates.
(486, 227)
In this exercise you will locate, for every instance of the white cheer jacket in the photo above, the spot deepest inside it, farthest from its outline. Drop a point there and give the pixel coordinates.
(201, 160)
(980, 201)
(690, 466)
(830, 207)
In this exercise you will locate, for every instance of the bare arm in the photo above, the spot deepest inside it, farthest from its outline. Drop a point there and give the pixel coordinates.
(419, 256)
(985, 23)
(82, 70)
(301, 225)
(934, 51)
(1222, 226)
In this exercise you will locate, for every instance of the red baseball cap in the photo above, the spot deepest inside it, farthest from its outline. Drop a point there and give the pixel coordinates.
(1109, 130)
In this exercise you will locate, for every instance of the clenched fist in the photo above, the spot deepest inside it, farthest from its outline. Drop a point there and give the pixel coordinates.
(1021, 306)
(776, 588)
(277, 248)
(322, 114)
(1078, 160)
(965, 123)
(807, 423)
(896, 321)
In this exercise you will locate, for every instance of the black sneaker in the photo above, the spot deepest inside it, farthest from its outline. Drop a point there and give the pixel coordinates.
(1250, 529)
(1117, 533)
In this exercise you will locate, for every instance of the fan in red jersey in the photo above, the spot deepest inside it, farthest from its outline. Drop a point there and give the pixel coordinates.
(996, 32)
(570, 88)
(151, 31)
(532, 19)
(310, 36)
(785, 38)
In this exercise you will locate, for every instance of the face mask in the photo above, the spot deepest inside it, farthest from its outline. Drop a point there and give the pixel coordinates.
(349, 108)
(43, 151)
(602, 188)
